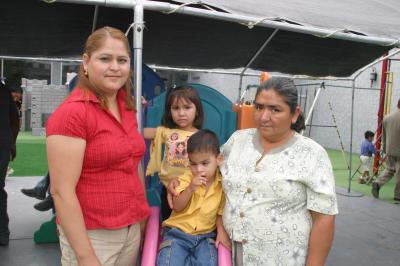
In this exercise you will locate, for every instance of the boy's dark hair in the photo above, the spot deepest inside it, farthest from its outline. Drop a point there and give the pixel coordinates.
(369, 134)
(185, 92)
(203, 140)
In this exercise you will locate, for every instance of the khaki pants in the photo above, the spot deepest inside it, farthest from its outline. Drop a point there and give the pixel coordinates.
(112, 247)
(392, 168)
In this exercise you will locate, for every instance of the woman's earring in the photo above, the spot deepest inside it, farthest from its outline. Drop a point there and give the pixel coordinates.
(85, 72)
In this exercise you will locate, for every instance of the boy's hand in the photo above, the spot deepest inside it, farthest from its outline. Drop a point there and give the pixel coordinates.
(223, 238)
(198, 180)
(171, 191)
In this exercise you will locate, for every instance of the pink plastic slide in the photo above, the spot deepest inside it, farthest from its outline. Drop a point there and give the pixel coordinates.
(151, 242)
(151, 239)
(224, 256)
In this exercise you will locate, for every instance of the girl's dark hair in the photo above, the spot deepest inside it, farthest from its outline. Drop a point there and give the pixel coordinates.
(187, 93)
(287, 90)
(203, 140)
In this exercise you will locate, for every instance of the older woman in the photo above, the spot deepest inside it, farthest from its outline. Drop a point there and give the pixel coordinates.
(94, 149)
(279, 185)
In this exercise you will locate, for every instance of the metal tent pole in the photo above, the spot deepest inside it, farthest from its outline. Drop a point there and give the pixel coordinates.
(349, 192)
(252, 60)
(353, 89)
(37, 58)
(2, 69)
(311, 119)
(310, 112)
(137, 58)
(95, 15)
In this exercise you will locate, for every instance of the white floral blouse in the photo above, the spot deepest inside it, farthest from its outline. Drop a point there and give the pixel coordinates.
(267, 205)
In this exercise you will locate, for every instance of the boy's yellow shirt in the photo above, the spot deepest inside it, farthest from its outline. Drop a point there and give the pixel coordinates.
(200, 214)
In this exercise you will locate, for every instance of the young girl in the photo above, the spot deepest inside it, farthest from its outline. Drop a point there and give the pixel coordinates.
(183, 116)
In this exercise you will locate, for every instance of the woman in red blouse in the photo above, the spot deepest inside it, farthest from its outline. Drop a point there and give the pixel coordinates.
(94, 149)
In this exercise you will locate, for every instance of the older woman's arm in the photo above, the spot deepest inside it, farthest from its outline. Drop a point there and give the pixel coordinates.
(65, 157)
(321, 238)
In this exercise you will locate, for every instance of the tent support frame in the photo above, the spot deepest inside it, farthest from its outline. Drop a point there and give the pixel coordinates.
(355, 76)
(252, 60)
(2, 70)
(140, 5)
(138, 28)
(95, 16)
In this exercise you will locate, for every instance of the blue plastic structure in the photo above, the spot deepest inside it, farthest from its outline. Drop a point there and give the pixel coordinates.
(220, 118)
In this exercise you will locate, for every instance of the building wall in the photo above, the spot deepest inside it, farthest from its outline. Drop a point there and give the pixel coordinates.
(28, 85)
(40, 100)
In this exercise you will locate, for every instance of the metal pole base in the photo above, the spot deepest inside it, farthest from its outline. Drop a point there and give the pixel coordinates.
(348, 193)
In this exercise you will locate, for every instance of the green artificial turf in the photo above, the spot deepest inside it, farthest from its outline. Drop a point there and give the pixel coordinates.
(31, 155)
(31, 161)
(341, 173)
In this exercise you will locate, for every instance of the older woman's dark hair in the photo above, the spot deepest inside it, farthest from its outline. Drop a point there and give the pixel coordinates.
(287, 90)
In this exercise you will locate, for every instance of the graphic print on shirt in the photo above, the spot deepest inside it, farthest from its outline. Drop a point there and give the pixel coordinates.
(177, 154)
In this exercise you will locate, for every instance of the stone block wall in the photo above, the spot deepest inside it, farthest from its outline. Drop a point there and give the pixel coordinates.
(40, 100)
(28, 85)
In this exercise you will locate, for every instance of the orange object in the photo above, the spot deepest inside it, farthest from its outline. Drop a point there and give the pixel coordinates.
(264, 77)
(245, 115)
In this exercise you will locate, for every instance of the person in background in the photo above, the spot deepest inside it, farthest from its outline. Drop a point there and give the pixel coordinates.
(367, 151)
(279, 185)
(189, 235)
(16, 94)
(9, 128)
(391, 147)
(94, 149)
(39, 191)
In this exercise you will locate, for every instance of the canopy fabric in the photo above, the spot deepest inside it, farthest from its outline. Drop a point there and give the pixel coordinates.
(367, 17)
(59, 30)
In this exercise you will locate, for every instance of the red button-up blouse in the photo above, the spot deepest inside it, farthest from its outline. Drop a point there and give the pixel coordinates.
(109, 190)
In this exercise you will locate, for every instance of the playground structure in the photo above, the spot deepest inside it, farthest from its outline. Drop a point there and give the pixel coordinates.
(220, 118)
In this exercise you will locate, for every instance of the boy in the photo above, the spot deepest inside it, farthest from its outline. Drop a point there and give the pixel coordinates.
(189, 231)
(367, 150)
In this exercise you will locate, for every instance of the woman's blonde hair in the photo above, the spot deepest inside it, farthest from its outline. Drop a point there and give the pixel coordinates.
(94, 42)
